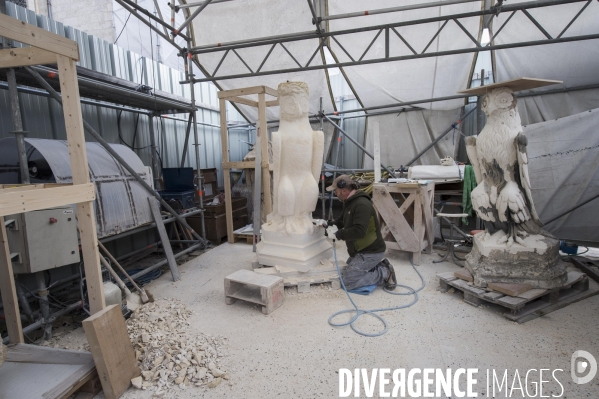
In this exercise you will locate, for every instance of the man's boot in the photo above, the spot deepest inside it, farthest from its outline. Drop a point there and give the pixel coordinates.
(391, 280)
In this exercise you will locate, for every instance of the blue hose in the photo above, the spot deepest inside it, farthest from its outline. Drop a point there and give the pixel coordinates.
(371, 312)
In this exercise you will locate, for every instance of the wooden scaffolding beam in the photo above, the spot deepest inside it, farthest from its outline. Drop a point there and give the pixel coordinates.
(48, 47)
(236, 96)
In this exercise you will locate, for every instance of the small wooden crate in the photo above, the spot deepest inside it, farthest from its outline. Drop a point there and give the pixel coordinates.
(265, 290)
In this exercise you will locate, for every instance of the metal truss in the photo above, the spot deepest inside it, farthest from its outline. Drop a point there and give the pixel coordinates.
(323, 38)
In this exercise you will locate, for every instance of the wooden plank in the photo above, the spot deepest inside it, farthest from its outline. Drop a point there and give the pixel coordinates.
(514, 84)
(271, 92)
(427, 207)
(265, 157)
(493, 296)
(166, 245)
(112, 350)
(464, 274)
(418, 225)
(86, 220)
(26, 200)
(273, 103)
(225, 94)
(377, 152)
(400, 229)
(224, 139)
(542, 308)
(533, 294)
(24, 353)
(512, 302)
(510, 289)
(448, 276)
(25, 56)
(243, 101)
(239, 165)
(8, 291)
(23, 32)
(406, 204)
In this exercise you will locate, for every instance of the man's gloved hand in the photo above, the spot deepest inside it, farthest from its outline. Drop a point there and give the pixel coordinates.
(332, 232)
(321, 223)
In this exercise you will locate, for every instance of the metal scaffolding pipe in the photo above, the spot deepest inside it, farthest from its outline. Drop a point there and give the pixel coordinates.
(116, 156)
(99, 87)
(358, 144)
(396, 9)
(572, 209)
(146, 227)
(41, 322)
(149, 15)
(313, 35)
(191, 17)
(189, 5)
(193, 114)
(164, 262)
(18, 124)
(428, 147)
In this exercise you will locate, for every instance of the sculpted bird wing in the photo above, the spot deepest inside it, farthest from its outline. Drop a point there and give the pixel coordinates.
(521, 142)
(473, 157)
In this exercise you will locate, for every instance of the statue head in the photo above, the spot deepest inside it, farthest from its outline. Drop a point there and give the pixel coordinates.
(294, 100)
(500, 99)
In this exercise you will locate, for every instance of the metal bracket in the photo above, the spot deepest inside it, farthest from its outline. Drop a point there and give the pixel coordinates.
(8, 222)
(16, 255)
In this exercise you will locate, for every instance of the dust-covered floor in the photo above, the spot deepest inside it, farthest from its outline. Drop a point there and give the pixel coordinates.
(295, 353)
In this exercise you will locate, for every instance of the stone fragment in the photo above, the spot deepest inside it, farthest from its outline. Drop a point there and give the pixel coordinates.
(136, 382)
(214, 383)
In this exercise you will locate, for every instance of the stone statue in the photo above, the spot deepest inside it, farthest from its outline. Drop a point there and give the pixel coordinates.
(289, 238)
(297, 160)
(513, 248)
(502, 197)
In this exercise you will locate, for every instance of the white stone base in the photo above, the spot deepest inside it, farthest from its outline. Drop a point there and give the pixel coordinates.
(301, 252)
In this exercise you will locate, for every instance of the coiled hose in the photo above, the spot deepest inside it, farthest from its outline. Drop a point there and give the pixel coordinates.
(372, 312)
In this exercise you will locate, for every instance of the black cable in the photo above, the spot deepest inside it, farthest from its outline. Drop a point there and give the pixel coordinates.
(127, 20)
(118, 128)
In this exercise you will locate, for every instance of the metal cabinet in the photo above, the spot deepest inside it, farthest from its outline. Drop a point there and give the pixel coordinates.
(42, 240)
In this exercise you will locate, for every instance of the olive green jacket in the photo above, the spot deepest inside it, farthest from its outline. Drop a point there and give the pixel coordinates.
(359, 225)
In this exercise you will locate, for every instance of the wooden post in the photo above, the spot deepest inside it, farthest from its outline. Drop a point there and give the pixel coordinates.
(224, 140)
(86, 220)
(265, 157)
(8, 291)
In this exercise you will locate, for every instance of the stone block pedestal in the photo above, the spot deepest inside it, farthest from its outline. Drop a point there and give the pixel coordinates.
(538, 263)
(301, 252)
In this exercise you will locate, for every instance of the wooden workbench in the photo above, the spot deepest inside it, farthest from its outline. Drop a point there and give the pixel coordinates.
(406, 216)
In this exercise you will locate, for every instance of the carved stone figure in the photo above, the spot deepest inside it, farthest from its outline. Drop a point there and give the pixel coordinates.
(513, 248)
(289, 238)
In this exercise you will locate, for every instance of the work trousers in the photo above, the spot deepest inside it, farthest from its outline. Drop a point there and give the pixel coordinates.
(365, 269)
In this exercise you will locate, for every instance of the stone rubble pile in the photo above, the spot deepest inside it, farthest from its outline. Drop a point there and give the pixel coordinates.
(169, 352)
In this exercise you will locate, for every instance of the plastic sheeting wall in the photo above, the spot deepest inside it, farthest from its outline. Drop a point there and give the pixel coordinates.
(574, 63)
(406, 138)
(391, 82)
(238, 20)
(564, 171)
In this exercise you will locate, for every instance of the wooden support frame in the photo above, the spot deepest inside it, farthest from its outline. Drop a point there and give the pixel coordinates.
(48, 47)
(236, 96)
(408, 227)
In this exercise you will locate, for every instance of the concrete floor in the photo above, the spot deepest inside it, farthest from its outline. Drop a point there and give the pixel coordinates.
(295, 353)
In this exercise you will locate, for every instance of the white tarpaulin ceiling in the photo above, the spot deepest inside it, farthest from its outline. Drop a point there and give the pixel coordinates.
(408, 80)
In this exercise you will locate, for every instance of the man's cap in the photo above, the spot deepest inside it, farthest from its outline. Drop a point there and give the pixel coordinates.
(347, 183)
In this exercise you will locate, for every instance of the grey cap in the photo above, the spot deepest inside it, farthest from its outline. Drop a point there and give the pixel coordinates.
(347, 183)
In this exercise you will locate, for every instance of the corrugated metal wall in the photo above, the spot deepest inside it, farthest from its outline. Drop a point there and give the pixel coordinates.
(42, 117)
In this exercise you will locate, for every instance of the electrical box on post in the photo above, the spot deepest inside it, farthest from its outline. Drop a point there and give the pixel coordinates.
(41, 240)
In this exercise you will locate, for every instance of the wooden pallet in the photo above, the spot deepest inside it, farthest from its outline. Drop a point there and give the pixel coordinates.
(326, 272)
(248, 238)
(528, 305)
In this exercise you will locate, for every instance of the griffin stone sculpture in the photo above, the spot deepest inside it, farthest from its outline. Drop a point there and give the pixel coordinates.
(288, 237)
(513, 248)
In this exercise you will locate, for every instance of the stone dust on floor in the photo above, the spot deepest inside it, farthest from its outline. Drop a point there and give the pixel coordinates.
(294, 352)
